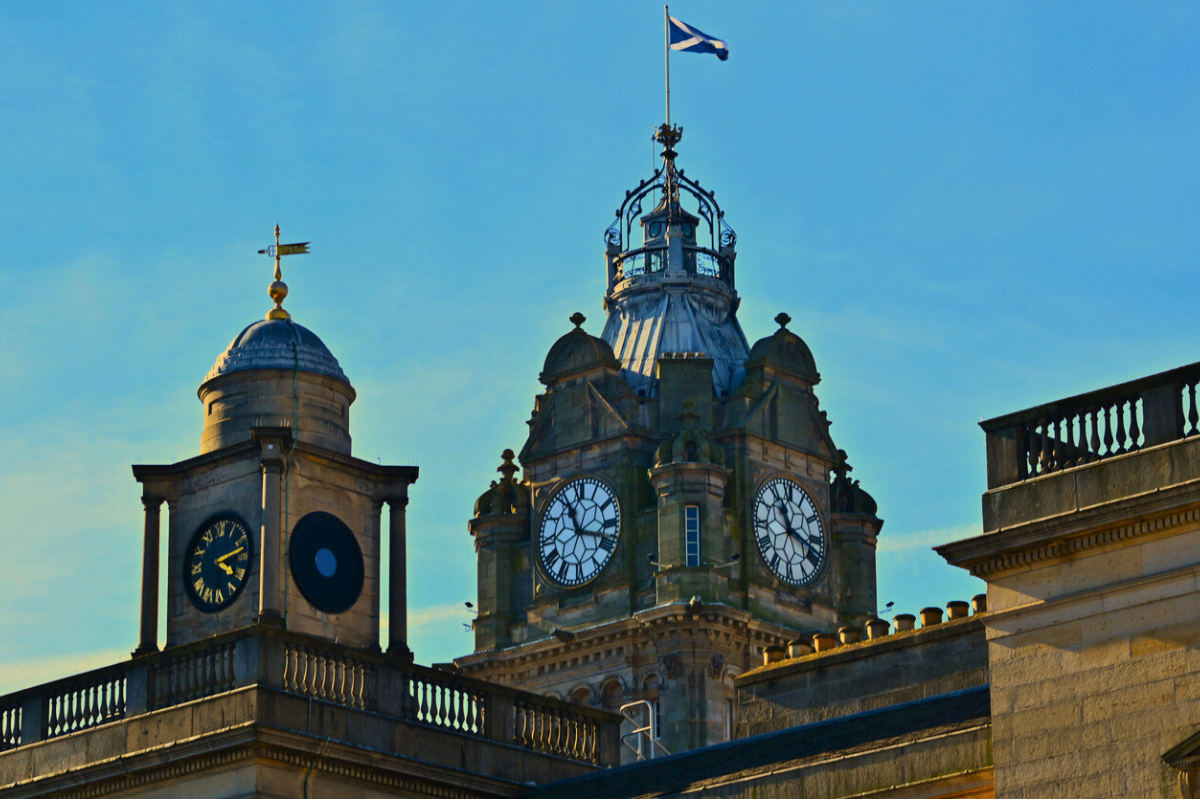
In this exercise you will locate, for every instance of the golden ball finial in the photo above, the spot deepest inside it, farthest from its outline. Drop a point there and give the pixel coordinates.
(278, 291)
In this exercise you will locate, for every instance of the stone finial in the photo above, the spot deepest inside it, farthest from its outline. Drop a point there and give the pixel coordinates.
(957, 609)
(508, 468)
(783, 319)
(849, 634)
(578, 319)
(773, 653)
(931, 615)
(904, 622)
(509, 495)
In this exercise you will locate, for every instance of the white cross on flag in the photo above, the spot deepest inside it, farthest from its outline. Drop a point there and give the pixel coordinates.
(689, 40)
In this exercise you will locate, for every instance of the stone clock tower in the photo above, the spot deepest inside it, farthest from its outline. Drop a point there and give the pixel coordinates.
(681, 504)
(275, 523)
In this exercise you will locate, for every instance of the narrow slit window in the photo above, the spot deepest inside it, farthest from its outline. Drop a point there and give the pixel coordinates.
(691, 519)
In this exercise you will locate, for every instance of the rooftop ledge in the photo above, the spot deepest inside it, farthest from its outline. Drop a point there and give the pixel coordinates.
(1077, 472)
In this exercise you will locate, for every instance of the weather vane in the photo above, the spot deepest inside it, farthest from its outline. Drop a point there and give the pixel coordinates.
(279, 290)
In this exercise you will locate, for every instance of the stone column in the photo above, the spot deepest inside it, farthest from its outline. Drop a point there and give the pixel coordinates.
(148, 638)
(398, 575)
(270, 601)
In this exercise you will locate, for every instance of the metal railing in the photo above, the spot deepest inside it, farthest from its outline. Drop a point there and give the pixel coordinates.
(313, 668)
(1093, 426)
(652, 260)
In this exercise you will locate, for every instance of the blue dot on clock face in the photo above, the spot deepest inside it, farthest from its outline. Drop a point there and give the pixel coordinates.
(326, 562)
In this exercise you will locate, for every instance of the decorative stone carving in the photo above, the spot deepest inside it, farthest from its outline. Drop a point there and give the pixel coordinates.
(509, 495)
(716, 665)
(672, 666)
(690, 444)
(849, 497)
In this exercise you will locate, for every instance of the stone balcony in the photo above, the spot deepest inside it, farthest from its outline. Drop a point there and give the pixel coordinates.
(1064, 468)
(257, 711)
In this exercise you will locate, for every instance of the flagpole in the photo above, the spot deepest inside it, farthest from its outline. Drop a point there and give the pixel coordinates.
(667, 58)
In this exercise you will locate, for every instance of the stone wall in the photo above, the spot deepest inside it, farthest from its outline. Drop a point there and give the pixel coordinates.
(1091, 687)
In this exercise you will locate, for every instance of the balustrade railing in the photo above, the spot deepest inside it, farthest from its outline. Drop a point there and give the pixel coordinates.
(191, 675)
(1093, 426)
(91, 699)
(441, 699)
(315, 671)
(10, 726)
(312, 668)
(540, 727)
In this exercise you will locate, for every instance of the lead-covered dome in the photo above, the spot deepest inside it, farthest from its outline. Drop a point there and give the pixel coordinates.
(277, 344)
(276, 373)
(785, 351)
(576, 352)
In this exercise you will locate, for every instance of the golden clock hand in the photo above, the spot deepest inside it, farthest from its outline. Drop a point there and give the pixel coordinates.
(220, 562)
(230, 554)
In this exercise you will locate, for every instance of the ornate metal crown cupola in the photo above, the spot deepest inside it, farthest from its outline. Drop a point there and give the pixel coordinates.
(674, 291)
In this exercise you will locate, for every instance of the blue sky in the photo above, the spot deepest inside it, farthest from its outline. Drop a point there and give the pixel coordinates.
(966, 208)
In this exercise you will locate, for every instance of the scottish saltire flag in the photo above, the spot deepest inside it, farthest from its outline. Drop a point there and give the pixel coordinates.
(686, 38)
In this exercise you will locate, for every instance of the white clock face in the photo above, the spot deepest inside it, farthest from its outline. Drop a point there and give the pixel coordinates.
(789, 532)
(579, 531)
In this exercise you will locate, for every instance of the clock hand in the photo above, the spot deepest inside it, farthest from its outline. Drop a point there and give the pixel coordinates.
(800, 539)
(220, 562)
(230, 554)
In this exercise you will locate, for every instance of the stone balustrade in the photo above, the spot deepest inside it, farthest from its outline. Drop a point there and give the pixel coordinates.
(1093, 426)
(312, 668)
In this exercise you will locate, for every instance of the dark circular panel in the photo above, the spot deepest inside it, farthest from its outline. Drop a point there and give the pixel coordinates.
(217, 561)
(326, 562)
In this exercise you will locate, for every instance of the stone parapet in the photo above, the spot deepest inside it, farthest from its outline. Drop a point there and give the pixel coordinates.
(863, 675)
(70, 729)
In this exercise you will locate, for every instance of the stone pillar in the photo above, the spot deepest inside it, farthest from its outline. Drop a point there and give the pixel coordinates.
(270, 603)
(273, 443)
(148, 636)
(398, 576)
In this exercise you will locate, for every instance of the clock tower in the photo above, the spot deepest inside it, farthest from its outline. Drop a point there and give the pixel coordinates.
(681, 504)
(275, 523)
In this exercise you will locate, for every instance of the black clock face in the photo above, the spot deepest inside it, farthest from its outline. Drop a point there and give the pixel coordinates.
(579, 531)
(788, 529)
(326, 562)
(216, 562)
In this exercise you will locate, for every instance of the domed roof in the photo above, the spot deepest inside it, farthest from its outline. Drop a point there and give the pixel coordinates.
(786, 351)
(277, 344)
(576, 351)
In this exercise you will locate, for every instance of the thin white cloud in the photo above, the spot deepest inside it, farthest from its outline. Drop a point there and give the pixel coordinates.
(923, 540)
(437, 615)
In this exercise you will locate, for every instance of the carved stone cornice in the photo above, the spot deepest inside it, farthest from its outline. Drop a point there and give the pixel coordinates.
(1006, 549)
(300, 753)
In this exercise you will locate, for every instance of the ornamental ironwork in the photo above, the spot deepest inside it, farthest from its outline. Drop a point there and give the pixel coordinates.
(670, 182)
